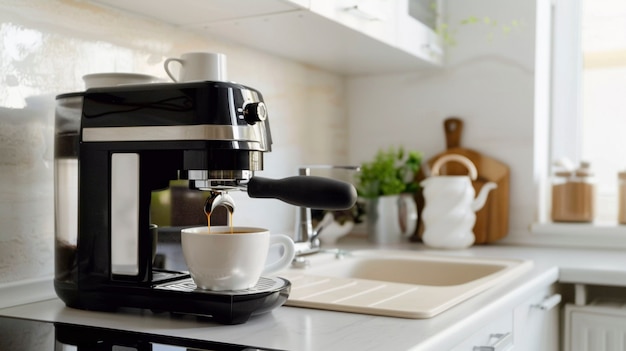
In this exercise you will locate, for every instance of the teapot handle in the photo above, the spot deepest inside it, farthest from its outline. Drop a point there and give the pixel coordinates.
(473, 173)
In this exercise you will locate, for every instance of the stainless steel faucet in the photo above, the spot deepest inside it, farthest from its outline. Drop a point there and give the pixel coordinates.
(306, 239)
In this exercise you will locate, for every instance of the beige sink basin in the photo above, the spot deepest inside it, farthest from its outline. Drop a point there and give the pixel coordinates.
(396, 283)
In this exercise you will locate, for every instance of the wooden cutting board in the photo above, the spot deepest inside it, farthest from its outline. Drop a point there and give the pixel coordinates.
(492, 221)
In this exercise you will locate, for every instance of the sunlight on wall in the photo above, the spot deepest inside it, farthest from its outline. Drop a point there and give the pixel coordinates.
(46, 46)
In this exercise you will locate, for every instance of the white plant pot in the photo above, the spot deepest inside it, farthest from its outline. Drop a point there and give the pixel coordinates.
(390, 219)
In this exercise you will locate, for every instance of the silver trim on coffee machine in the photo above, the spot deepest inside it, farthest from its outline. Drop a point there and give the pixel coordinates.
(219, 179)
(254, 134)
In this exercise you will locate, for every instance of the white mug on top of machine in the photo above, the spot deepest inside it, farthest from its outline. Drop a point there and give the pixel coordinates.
(197, 66)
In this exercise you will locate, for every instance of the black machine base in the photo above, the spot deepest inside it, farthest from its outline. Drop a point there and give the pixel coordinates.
(183, 297)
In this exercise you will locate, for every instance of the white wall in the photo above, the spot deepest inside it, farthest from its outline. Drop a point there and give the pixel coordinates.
(488, 81)
(46, 46)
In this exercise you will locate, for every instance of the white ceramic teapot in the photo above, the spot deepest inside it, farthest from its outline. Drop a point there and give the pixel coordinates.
(450, 206)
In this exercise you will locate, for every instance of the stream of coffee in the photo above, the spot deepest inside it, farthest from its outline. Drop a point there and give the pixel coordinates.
(208, 210)
(230, 221)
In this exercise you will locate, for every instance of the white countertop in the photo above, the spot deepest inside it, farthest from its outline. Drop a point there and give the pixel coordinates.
(307, 329)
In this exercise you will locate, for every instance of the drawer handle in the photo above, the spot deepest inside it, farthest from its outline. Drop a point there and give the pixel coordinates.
(433, 49)
(548, 303)
(365, 13)
(497, 342)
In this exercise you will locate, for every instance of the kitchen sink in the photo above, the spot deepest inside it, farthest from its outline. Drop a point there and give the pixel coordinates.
(396, 283)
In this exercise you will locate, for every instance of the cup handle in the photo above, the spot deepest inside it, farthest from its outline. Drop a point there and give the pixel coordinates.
(166, 67)
(285, 260)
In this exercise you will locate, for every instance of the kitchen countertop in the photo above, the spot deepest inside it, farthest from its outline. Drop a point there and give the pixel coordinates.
(294, 328)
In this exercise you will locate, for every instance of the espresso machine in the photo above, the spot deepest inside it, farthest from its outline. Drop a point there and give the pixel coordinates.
(115, 145)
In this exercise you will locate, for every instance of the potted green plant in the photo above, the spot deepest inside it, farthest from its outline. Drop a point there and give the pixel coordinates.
(387, 185)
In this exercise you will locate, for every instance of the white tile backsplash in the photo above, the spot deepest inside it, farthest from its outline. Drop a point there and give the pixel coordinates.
(46, 46)
(487, 81)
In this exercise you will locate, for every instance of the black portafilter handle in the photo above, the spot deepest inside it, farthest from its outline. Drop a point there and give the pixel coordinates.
(305, 191)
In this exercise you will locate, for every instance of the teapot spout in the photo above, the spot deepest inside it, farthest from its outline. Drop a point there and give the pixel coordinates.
(480, 200)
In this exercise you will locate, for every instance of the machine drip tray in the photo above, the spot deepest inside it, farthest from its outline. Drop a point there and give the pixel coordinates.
(264, 285)
(226, 307)
(162, 276)
(181, 296)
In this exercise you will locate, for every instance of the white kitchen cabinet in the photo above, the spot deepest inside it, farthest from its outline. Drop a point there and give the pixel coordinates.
(375, 18)
(194, 12)
(341, 36)
(302, 3)
(531, 326)
(409, 25)
(417, 22)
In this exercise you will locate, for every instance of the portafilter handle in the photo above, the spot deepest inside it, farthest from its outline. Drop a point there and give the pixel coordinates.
(305, 191)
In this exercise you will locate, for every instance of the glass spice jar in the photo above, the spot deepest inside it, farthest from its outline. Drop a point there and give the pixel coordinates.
(573, 194)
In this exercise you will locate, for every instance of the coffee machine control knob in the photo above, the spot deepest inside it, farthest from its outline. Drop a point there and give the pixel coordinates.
(254, 112)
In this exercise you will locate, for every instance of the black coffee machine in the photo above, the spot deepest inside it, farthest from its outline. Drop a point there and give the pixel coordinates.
(115, 145)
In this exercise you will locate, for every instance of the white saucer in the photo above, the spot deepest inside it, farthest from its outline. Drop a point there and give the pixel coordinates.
(97, 80)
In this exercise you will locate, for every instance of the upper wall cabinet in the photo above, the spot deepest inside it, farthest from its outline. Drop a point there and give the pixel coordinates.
(417, 24)
(342, 36)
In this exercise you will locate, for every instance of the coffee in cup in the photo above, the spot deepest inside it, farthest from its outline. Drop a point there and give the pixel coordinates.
(198, 66)
(224, 260)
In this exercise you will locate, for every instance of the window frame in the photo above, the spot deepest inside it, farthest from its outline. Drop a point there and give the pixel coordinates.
(559, 121)
(566, 79)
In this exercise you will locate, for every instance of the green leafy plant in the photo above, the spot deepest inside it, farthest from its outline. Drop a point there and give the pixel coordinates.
(391, 172)
(447, 31)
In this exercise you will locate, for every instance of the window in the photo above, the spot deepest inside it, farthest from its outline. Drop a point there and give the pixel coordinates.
(588, 100)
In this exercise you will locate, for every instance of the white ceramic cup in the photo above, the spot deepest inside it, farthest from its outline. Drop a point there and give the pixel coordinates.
(222, 261)
(198, 66)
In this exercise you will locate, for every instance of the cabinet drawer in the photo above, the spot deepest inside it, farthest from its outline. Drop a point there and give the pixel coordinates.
(537, 322)
(502, 325)
(528, 326)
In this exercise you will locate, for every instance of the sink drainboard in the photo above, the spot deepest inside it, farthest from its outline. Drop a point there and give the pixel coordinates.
(312, 289)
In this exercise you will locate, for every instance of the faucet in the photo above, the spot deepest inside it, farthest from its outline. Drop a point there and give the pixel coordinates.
(306, 239)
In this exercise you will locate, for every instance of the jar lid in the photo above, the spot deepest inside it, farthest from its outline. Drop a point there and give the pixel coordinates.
(583, 173)
(584, 170)
(563, 174)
